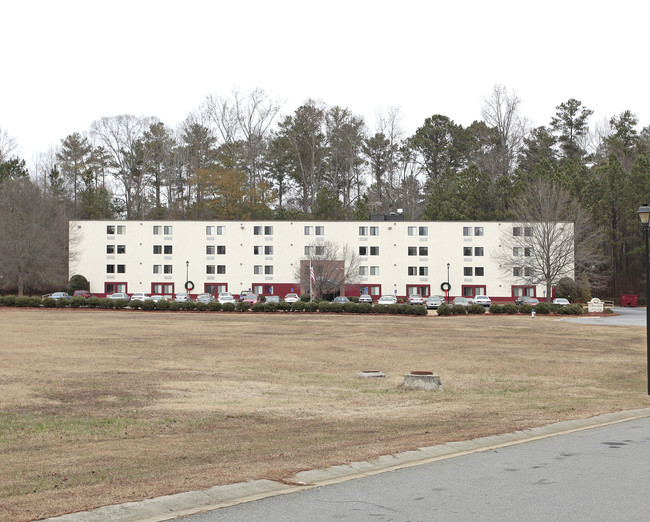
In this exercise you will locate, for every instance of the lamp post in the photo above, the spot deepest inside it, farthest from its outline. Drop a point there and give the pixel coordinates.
(187, 278)
(448, 283)
(644, 216)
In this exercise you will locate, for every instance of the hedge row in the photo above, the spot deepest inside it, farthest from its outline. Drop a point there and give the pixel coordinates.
(213, 306)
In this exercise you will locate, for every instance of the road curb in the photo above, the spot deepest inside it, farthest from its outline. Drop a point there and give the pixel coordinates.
(182, 504)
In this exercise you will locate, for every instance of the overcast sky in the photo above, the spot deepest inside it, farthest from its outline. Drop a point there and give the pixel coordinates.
(67, 63)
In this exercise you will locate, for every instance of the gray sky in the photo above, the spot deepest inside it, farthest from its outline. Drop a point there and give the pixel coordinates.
(68, 63)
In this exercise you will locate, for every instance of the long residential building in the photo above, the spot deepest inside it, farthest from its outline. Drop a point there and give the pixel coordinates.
(267, 257)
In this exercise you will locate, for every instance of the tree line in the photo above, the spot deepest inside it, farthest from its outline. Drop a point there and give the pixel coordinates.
(239, 157)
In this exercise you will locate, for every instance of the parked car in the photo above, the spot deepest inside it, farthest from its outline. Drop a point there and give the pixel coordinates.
(251, 299)
(387, 300)
(140, 296)
(59, 295)
(433, 302)
(524, 299)
(225, 297)
(182, 298)
(483, 300)
(365, 298)
(82, 293)
(273, 299)
(463, 301)
(204, 298)
(414, 299)
(561, 301)
(291, 298)
(242, 295)
(157, 298)
(341, 299)
(119, 295)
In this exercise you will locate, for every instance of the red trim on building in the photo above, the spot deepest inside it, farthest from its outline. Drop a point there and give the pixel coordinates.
(423, 290)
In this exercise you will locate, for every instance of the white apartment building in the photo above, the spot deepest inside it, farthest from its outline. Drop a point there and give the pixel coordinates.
(395, 257)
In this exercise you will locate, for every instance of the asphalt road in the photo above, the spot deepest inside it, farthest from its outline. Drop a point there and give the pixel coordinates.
(594, 474)
(624, 317)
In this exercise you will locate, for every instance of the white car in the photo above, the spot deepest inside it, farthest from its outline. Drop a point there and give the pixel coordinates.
(387, 300)
(415, 299)
(561, 301)
(463, 301)
(204, 298)
(365, 298)
(291, 298)
(140, 296)
(119, 295)
(482, 300)
(225, 297)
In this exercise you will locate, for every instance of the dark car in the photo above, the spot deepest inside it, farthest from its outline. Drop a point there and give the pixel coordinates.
(526, 299)
(82, 293)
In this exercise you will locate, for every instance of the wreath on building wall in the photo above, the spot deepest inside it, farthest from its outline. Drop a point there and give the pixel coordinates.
(445, 287)
(189, 285)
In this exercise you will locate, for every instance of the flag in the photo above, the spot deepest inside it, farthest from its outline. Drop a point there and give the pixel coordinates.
(311, 273)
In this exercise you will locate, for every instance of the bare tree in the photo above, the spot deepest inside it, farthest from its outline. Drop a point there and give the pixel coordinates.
(501, 112)
(33, 238)
(554, 238)
(335, 265)
(8, 145)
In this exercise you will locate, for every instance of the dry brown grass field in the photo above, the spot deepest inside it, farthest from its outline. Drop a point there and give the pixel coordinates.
(106, 406)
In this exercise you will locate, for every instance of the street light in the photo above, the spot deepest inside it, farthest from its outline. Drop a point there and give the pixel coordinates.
(644, 216)
(187, 277)
(448, 283)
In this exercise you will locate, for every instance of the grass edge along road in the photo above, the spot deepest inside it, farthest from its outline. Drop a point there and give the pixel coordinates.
(102, 407)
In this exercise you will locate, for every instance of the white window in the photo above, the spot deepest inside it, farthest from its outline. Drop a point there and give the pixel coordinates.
(169, 249)
(478, 231)
(221, 269)
(374, 270)
(268, 230)
(528, 271)
(209, 231)
(209, 269)
(110, 229)
(528, 231)
(257, 269)
(268, 250)
(412, 251)
(467, 251)
(308, 230)
(268, 269)
(320, 231)
(374, 231)
(412, 270)
(363, 250)
(467, 231)
(516, 251)
(363, 231)
(479, 271)
(221, 250)
(257, 250)
(110, 249)
(413, 231)
(157, 269)
(423, 251)
(516, 231)
(528, 251)
(424, 270)
(121, 269)
(168, 230)
(467, 271)
(478, 251)
(167, 269)
(209, 250)
(157, 230)
(257, 230)
(363, 270)
(157, 249)
(423, 231)
(516, 271)
(221, 230)
(374, 250)
(121, 229)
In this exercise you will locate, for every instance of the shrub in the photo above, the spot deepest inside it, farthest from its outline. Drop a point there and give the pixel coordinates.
(284, 306)
(63, 303)
(458, 309)
(496, 309)
(77, 282)
(574, 309)
(78, 302)
(311, 306)
(566, 287)
(202, 307)
(475, 309)
(418, 310)
(149, 304)
(354, 298)
(350, 308)
(444, 309)
(188, 305)
(93, 302)
(162, 305)
(214, 306)
(136, 304)
(120, 303)
(48, 302)
(324, 306)
(364, 308)
(271, 307)
(510, 308)
(228, 307)
(380, 309)
(298, 306)
(242, 306)
(394, 309)
(305, 298)
(9, 300)
(543, 308)
(525, 308)
(22, 301)
(35, 302)
(175, 306)
(258, 307)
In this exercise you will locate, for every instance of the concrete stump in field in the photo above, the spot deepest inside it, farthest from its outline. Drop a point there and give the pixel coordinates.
(422, 381)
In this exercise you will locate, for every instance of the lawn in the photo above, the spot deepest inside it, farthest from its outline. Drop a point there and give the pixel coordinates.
(106, 406)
